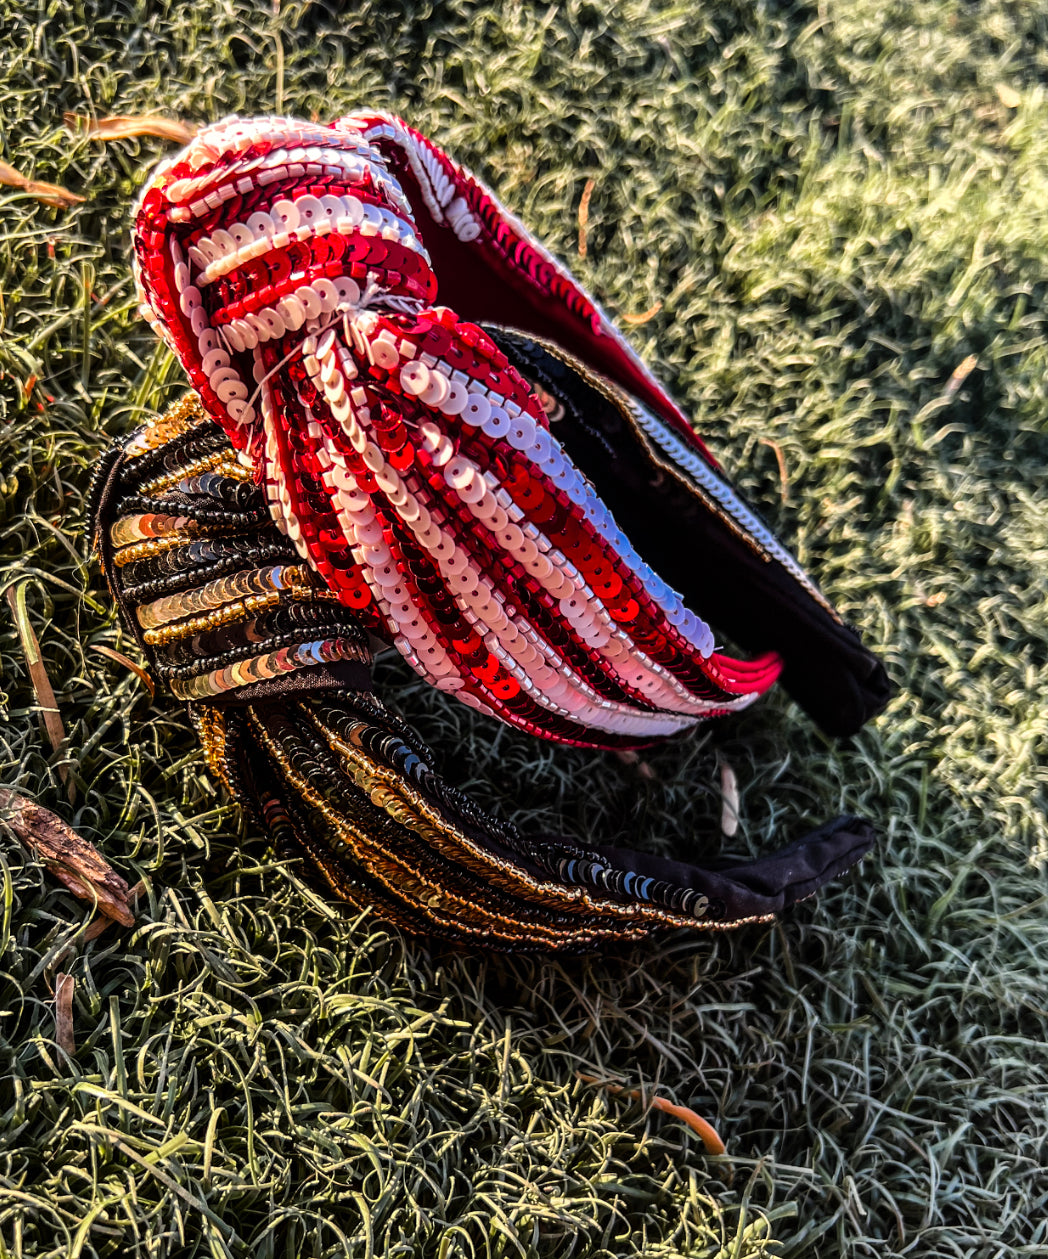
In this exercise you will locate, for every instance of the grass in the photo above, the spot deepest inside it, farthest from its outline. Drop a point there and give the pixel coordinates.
(836, 204)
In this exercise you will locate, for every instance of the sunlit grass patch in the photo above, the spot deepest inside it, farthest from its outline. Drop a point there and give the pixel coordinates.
(829, 211)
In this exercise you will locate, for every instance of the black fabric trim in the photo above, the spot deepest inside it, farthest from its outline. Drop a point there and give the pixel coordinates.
(771, 883)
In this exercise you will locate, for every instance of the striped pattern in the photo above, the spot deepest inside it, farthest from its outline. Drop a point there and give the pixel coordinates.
(408, 461)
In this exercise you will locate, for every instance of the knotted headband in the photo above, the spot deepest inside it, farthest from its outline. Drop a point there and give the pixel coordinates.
(497, 486)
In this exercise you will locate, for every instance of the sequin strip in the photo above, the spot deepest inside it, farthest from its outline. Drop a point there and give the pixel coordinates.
(708, 483)
(272, 664)
(216, 632)
(401, 454)
(216, 594)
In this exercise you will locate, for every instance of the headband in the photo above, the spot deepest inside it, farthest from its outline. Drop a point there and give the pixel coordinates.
(496, 486)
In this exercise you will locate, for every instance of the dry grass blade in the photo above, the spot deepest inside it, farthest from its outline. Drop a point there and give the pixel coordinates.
(42, 688)
(64, 1012)
(705, 1130)
(780, 459)
(959, 375)
(643, 317)
(49, 194)
(584, 204)
(729, 800)
(127, 126)
(78, 864)
(119, 658)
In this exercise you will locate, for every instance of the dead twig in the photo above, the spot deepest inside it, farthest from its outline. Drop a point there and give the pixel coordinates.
(729, 800)
(75, 862)
(64, 1012)
(94, 929)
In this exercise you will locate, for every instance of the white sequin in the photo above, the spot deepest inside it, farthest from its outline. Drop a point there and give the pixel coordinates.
(477, 410)
(436, 391)
(455, 401)
(497, 423)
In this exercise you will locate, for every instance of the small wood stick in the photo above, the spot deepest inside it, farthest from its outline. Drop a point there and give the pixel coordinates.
(729, 800)
(78, 864)
(94, 929)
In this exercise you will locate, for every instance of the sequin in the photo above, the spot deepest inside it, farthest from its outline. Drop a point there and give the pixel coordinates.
(285, 215)
(477, 410)
(497, 422)
(436, 391)
(292, 312)
(414, 378)
(454, 403)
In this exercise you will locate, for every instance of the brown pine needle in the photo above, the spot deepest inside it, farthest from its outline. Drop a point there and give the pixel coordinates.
(644, 316)
(75, 862)
(119, 658)
(42, 688)
(705, 1130)
(49, 194)
(780, 459)
(125, 127)
(64, 1012)
(584, 205)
